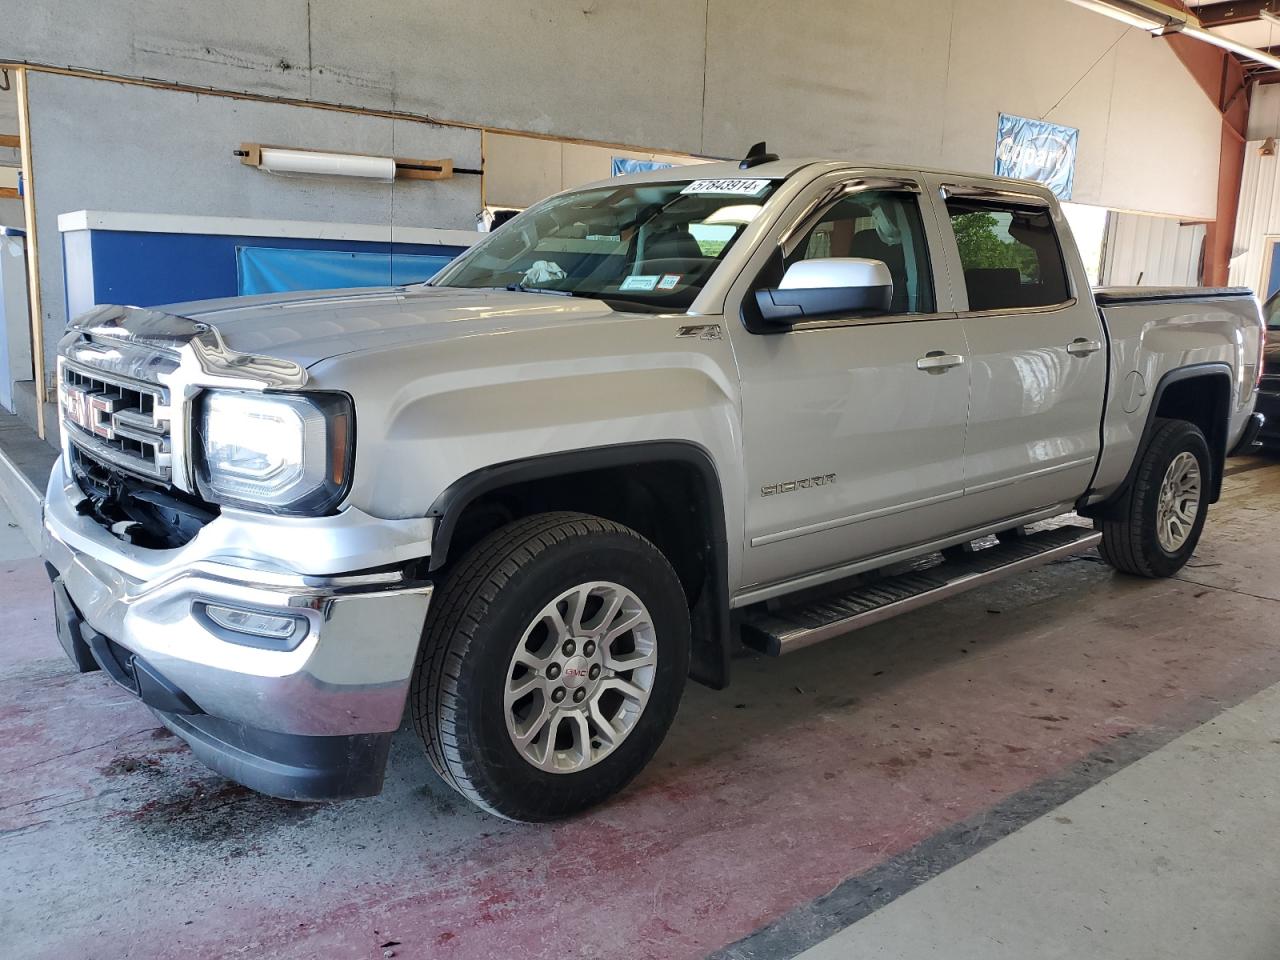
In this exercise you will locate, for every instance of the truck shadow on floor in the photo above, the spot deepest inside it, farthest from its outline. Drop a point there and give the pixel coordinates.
(770, 699)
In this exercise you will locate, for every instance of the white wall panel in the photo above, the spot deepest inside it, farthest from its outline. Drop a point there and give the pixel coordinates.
(1258, 219)
(1264, 111)
(1152, 251)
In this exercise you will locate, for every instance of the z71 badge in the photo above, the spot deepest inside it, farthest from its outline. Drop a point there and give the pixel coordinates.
(791, 486)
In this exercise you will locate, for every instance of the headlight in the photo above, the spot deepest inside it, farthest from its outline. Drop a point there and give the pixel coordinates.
(278, 452)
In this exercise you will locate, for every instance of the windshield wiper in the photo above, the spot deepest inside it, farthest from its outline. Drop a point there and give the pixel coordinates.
(521, 288)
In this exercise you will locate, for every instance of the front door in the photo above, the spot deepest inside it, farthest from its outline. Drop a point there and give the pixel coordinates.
(854, 427)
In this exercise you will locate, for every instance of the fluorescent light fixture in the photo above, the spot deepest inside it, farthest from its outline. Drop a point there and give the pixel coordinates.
(1161, 20)
(1153, 17)
(1270, 15)
(1250, 53)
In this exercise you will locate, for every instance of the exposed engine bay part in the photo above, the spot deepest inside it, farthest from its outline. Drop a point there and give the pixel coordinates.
(135, 511)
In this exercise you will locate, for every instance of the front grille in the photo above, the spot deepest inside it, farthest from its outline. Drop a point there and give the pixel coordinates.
(118, 421)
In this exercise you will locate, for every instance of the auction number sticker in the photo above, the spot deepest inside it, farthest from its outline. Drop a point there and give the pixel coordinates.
(669, 281)
(732, 187)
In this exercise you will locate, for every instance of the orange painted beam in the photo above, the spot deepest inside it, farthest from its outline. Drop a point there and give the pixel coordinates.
(1222, 78)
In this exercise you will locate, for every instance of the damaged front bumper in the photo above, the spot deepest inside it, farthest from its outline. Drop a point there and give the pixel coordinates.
(305, 716)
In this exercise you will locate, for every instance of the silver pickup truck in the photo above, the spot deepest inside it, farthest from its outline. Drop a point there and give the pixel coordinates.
(771, 401)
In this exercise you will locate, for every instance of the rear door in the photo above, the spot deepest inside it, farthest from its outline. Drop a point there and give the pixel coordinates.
(1038, 359)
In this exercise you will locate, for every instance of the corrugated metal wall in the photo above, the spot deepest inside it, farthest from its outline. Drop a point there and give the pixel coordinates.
(1258, 218)
(1152, 251)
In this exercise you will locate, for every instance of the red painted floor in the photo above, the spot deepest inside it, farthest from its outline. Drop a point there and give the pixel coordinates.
(115, 842)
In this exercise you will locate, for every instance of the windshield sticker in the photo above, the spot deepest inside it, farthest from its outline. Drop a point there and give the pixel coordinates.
(669, 281)
(638, 283)
(737, 188)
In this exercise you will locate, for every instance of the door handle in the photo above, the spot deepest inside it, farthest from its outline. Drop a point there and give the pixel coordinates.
(1080, 347)
(935, 361)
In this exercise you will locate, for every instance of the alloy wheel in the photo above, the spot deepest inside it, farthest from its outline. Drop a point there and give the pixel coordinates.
(580, 677)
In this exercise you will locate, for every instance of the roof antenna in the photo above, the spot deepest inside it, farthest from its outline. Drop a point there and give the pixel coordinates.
(756, 156)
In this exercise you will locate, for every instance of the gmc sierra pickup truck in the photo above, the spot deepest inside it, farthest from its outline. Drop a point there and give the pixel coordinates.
(771, 401)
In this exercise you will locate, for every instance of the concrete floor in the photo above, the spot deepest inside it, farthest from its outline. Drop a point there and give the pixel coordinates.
(1174, 856)
(870, 782)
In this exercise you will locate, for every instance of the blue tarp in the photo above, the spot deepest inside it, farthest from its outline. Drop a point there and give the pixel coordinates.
(276, 269)
(625, 165)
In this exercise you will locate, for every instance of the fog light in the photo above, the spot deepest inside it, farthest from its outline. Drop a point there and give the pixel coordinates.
(252, 622)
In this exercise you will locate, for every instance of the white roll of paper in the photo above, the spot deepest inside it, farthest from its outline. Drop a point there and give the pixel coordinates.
(275, 160)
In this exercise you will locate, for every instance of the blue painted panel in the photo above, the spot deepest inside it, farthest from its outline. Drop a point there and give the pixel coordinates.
(277, 270)
(1273, 278)
(148, 269)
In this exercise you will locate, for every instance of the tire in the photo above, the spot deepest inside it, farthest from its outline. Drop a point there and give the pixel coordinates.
(1132, 543)
(490, 616)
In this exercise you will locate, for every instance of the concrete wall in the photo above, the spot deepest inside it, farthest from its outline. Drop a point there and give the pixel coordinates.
(924, 82)
(909, 81)
(519, 171)
(100, 145)
(916, 82)
(9, 109)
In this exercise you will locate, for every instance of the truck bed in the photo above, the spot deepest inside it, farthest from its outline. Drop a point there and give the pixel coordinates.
(1105, 296)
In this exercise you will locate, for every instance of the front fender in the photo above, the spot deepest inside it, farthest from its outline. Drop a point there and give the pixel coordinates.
(427, 418)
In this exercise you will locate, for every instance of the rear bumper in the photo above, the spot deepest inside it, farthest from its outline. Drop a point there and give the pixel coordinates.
(310, 718)
(1268, 405)
(1254, 428)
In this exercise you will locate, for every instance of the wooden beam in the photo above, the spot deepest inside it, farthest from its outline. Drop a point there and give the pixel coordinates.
(409, 169)
(9, 193)
(10, 140)
(1222, 14)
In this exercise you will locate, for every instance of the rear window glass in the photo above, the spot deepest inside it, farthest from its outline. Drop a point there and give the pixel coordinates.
(1010, 256)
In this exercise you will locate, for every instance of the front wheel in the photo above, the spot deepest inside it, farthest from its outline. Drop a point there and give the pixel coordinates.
(552, 665)
(1162, 515)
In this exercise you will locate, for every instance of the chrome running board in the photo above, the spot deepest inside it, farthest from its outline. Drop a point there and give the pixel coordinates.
(785, 629)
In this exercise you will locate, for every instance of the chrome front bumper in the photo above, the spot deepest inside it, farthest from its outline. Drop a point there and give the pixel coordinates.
(350, 673)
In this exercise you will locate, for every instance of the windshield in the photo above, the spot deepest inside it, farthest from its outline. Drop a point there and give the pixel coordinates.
(652, 244)
(1271, 311)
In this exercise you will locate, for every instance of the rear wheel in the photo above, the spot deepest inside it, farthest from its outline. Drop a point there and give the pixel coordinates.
(1164, 512)
(553, 661)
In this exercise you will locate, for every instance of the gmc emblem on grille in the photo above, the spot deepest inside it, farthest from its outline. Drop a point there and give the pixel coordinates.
(89, 411)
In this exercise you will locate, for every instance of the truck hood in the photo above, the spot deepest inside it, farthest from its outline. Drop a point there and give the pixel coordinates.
(308, 328)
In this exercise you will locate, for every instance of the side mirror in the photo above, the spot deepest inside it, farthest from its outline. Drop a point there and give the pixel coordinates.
(830, 287)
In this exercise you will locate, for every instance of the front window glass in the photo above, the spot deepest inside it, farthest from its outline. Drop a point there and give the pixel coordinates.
(878, 225)
(653, 245)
